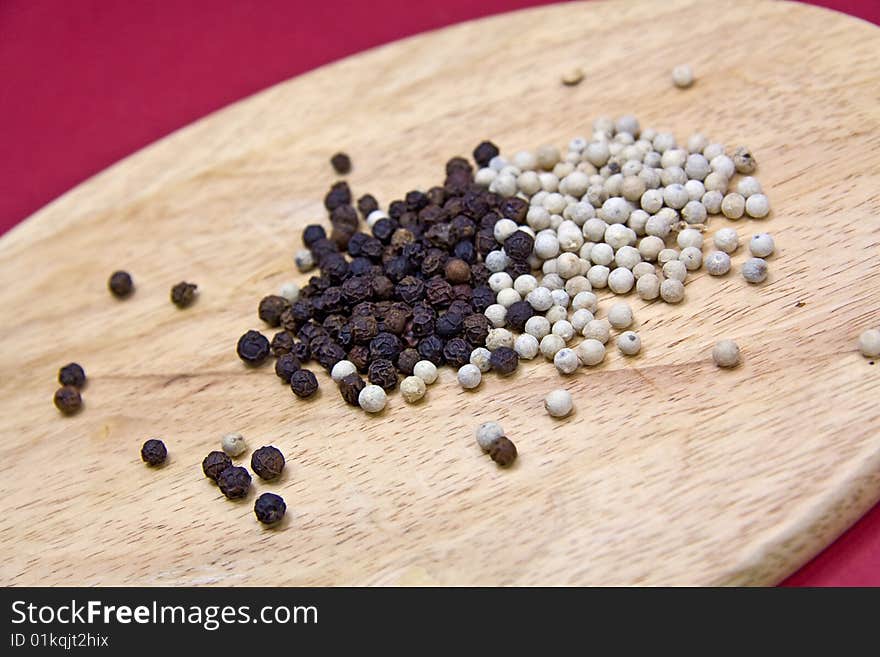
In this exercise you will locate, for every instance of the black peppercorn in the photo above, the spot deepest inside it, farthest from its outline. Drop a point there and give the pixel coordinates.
(154, 452)
(407, 360)
(183, 294)
(517, 268)
(484, 152)
(344, 217)
(465, 250)
(482, 298)
(367, 204)
(475, 329)
(518, 313)
(267, 462)
(328, 353)
(312, 234)
(285, 366)
(234, 482)
(339, 194)
(363, 329)
(438, 292)
(384, 229)
(458, 164)
(301, 351)
(282, 343)
(215, 463)
(383, 373)
(448, 325)
(253, 348)
(503, 451)
(359, 355)
(350, 387)
(457, 352)
(458, 271)
(396, 319)
(341, 163)
(514, 208)
(519, 245)
(480, 274)
(68, 400)
(504, 360)
(303, 383)
(431, 348)
(386, 346)
(383, 287)
(410, 289)
(72, 374)
(120, 284)
(269, 508)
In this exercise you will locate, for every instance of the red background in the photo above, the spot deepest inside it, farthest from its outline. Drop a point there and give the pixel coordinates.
(83, 84)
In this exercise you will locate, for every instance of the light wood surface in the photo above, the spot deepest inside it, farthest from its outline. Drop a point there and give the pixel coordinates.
(670, 472)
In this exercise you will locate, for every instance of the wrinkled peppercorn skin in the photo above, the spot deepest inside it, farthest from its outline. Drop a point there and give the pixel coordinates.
(383, 373)
(183, 294)
(504, 361)
(154, 452)
(350, 387)
(341, 163)
(68, 400)
(72, 374)
(253, 348)
(267, 462)
(234, 482)
(215, 463)
(303, 383)
(269, 508)
(286, 365)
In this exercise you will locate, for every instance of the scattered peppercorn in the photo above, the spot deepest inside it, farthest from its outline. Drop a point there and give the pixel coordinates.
(72, 374)
(271, 308)
(234, 482)
(183, 294)
(269, 508)
(154, 452)
(341, 163)
(267, 462)
(215, 463)
(120, 284)
(303, 383)
(502, 451)
(68, 400)
(383, 373)
(484, 152)
(253, 348)
(350, 387)
(504, 361)
(233, 444)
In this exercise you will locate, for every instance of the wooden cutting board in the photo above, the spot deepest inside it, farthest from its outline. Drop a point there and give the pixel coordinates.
(670, 472)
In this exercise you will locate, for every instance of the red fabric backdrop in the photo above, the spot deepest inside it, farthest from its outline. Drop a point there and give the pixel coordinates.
(83, 84)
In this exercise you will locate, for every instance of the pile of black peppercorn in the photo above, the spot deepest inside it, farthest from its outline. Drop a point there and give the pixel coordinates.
(414, 287)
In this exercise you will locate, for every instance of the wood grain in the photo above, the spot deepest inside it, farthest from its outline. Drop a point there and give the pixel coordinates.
(670, 472)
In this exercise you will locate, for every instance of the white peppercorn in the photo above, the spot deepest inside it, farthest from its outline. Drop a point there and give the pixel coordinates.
(658, 226)
(550, 344)
(717, 263)
(762, 245)
(711, 151)
(469, 376)
(487, 433)
(580, 318)
(590, 352)
(696, 190)
(652, 201)
(869, 343)
(566, 361)
(290, 291)
(482, 177)
(664, 141)
(694, 212)
(556, 314)
(499, 337)
(497, 314)
(723, 164)
(621, 280)
(629, 343)
(504, 228)
(499, 281)
(496, 261)
(526, 346)
(667, 255)
(233, 444)
(675, 270)
(716, 182)
(641, 269)
(672, 290)
(426, 371)
(726, 353)
(507, 297)
(564, 329)
(627, 256)
(675, 196)
(697, 142)
(748, 186)
(585, 300)
(524, 284)
(412, 389)
(539, 219)
(692, 258)
(537, 326)
(578, 284)
(558, 403)
(620, 315)
(304, 260)
(712, 201)
(682, 76)
(743, 160)
(598, 329)
(648, 287)
(375, 216)
(372, 398)
(726, 240)
(650, 247)
(480, 357)
(504, 184)
(555, 203)
(539, 299)
(598, 276)
(689, 237)
(754, 270)
(757, 206)
(342, 369)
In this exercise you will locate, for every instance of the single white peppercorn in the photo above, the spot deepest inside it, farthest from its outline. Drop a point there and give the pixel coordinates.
(469, 376)
(601, 254)
(580, 318)
(560, 298)
(480, 357)
(566, 361)
(550, 345)
(757, 206)
(733, 205)
(619, 235)
(412, 389)
(500, 281)
(692, 258)
(537, 326)
(342, 369)
(620, 315)
(504, 228)
(675, 270)
(590, 352)
(748, 186)
(578, 284)
(712, 201)
(290, 291)
(726, 240)
(233, 444)
(564, 329)
(689, 237)
(650, 247)
(717, 263)
(675, 195)
(711, 151)
(762, 245)
(628, 257)
(585, 300)
(426, 371)
(696, 191)
(539, 299)
(648, 287)
(497, 314)
(304, 260)
(598, 276)
(667, 255)
(496, 261)
(869, 343)
(372, 398)
(621, 280)
(672, 290)
(682, 76)
(558, 403)
(642, 269)
(499, 337)
(598, 329)
(694, 212)
(754, 270)
(507, 297)
(629, 343)
(526, 346)
(487, 433)
(723, 164)
(525, 284)
(726, 353)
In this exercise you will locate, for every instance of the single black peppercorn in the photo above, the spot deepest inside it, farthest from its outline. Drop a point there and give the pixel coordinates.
(385, 345)
(475, 329)
(328, 353)
(341, 163)
(301, 351)
(120, 284)
(383, 287)
(518, 314)
(517, 268)
(344, 217)
(431, 348)
(303, 383)
(448, 325)
(234, 482)
(363, 329)
(384, 229)
(267, 462)
(286, 365)
(183, 294)
(269, 508)
(407, 360)
(519, 245)
(367, 204)
(313, 233)
(72, 374)
(253, 348)
(383, 373)
(215, 463)
(504, 360)
(154, 452)
(68, 400)
(438, 292)
(503, 451)
(396, 318)
(350, 387)
(359, 355)
(282, 343)
(410, 289)
(457, 270)
(482, 298)
(339, 194)
(514, 208)
(484, 152)
(457, 352)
